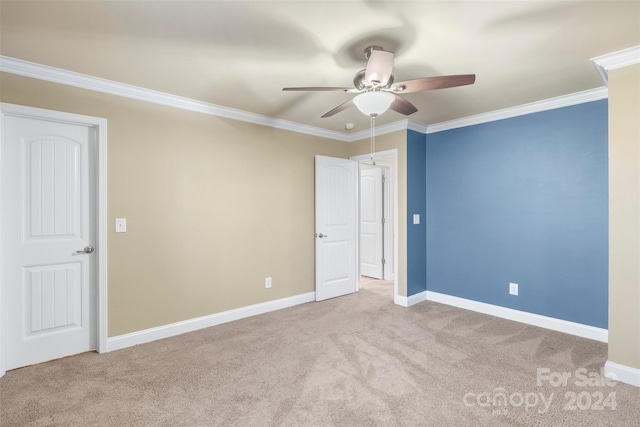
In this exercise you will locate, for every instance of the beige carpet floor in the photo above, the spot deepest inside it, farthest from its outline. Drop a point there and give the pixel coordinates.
(357, 360)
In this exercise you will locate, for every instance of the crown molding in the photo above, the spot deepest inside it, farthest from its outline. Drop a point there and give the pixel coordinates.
(614, 60)
(520, 110)
(70, 78)
(388, 128)
(418, 127)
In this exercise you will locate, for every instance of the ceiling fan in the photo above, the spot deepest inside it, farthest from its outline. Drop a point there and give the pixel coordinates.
(377, 90)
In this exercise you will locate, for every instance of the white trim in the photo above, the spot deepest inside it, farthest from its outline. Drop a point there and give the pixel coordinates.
(615, 60)
(622, 373)
(412, 300)
(84, 81)
(389, 223)
(418, 127)
(101, 235)
(552, 323)
(400, 300)
(521, 110)
(388, 128)
(100, 126)
(70, 78)
(416, 298)
(178, 328)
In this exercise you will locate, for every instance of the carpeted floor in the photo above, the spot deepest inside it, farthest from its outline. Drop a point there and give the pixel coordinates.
(355, 360)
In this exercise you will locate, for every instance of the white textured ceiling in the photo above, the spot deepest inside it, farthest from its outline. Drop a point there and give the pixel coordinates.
(240, 54)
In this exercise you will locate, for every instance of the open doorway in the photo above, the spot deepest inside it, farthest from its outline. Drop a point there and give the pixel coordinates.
(377, 223)
(375, 234)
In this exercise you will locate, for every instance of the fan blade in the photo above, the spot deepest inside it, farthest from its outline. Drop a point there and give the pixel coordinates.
(379, 67)
(432, 83)
(318, 88)
(339, 108)
(402, 106)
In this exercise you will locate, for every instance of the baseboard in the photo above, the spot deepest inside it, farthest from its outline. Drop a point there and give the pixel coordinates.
(170, 330)
(416, 298)
(622, 373)
(552, 323)
(400, 300)
(411, 300)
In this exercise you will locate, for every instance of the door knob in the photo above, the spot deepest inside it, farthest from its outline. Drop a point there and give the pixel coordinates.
(322, 235)
(86, 250)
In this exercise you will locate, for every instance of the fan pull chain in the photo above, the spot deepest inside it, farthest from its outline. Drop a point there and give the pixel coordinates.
(373, 137)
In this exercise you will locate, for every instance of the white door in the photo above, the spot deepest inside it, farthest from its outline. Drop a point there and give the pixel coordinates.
(371, 217)
(48, 216)
(336, 255)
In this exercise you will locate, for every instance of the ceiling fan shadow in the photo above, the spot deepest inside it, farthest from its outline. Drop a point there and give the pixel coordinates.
(210, 25)
(534, 14)
(397, 40)
(414, 71)
(292, 103)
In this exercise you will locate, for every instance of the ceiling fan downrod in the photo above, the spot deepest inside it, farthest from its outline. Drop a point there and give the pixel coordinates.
(369, 49)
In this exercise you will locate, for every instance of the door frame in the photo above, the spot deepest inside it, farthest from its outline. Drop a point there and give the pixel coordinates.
(392, 154)
(99, 126)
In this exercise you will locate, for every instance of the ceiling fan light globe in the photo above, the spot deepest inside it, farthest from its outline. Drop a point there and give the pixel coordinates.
(373, 103)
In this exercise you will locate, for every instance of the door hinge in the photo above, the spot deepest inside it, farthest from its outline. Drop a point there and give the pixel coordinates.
(384, 220)
(383, 178)
(384, 261)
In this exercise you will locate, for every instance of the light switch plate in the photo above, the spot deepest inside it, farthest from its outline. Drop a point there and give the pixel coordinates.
(513, 289)
(121, 225)
(416, 218)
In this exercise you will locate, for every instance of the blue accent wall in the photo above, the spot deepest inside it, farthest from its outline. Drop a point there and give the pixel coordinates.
(416, 204)
(521, 200)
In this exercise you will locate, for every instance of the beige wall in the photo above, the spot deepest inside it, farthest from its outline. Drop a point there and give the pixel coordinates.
(396, 140)
(624, 216)
(213, 206)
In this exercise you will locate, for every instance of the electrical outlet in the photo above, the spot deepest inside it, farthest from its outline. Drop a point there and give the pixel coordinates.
(267, 282)
(513, 289)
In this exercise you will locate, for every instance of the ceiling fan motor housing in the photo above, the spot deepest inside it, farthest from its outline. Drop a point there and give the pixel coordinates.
(360, 84)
